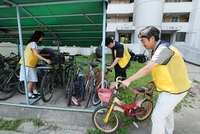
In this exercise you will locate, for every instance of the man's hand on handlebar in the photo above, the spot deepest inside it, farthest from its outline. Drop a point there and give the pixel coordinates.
(48, 61)
(126, 83)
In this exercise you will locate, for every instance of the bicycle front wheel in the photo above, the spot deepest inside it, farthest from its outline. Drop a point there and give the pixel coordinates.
(70, 88)
(66, 75)
(47, 87)
(88, 92)
(113, 123)
(8, 87)
(144, 111)
(95, 98)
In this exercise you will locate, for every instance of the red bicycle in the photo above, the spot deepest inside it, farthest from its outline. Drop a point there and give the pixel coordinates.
(98, 82)
(107, 120)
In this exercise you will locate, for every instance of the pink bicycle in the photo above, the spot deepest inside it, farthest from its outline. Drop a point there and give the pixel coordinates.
(105, 117)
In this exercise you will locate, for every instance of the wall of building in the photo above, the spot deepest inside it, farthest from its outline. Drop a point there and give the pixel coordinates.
(158, 13)
(6, 48)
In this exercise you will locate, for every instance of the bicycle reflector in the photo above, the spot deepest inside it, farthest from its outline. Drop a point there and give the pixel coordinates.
(105, 94)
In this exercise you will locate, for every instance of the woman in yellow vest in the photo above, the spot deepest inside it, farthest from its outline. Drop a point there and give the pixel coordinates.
(170, 76)
(121, 57)
(31, 57)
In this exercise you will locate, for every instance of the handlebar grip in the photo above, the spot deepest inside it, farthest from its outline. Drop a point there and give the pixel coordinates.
(109, 70)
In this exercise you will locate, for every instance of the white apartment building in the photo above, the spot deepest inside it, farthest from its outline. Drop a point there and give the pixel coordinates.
(178, 21)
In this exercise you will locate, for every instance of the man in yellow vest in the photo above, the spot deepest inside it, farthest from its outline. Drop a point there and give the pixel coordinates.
(121, 57)
(170, 76)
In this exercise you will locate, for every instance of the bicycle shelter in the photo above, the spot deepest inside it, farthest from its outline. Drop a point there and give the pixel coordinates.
(71, 22)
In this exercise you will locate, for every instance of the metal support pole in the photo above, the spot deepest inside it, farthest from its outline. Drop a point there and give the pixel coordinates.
(103, 43)
(22, 54)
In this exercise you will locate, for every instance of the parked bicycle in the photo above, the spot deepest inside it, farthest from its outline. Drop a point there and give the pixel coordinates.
(8, 78)
(98, 82)
(74, 80)
(107, 120)
(40, 74)
(90, 83)
(52, 78)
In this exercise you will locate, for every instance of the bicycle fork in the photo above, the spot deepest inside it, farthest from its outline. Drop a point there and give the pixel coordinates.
(113, 107)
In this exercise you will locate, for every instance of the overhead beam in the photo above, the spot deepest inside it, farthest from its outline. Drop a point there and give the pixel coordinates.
(57, 25)
(46, 28)
(53, 3)
(28, 32)
(89, 19)
(53, 16)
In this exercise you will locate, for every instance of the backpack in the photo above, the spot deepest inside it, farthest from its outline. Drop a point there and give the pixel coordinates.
(99, 52)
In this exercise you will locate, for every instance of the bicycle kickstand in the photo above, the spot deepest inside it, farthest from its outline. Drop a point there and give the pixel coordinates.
(135, 124)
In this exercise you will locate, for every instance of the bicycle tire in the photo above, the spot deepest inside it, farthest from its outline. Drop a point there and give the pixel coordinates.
(144, 111)
(113, 123)
(89, 93)
(8, 89)
(21, 87)
(65, 75)
(95, 98)
(70, 89)
(82, 89)
(47, 87)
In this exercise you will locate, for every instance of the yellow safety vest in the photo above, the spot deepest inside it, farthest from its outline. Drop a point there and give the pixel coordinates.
(173, 76)
(125, 59)
(30, 58)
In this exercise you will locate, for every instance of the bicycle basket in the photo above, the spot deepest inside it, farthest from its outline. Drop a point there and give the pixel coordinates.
(105, 94)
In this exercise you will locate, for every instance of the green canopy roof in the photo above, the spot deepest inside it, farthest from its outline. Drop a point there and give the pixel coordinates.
(67, 22)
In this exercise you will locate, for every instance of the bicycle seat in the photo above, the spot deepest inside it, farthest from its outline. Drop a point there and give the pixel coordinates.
(94, 64)
(143, 89)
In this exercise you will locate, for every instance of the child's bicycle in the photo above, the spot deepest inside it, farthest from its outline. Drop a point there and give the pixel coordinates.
(107, 120)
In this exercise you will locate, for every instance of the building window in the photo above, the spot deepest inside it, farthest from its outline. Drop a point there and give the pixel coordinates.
(110, 34)
(174, 19)
(125, 38)
(180, 36)
(130, 19)
(177, 0)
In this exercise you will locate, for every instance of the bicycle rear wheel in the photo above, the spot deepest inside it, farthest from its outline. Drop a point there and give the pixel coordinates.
(8, 87)
(21, 87)
(95, 97)
(47, 87)
(113, 123)
(70, 88)
(144, 111)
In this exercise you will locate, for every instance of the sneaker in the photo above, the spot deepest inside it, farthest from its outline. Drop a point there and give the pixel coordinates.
(37, 94)
(32, 96)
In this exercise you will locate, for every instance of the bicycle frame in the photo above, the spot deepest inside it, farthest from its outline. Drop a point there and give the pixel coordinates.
(136, 103)
(98, 83)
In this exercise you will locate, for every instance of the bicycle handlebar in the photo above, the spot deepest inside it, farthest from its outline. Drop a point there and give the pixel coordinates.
(118, 82)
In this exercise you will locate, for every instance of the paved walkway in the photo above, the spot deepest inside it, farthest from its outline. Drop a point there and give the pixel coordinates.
(70, 122)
